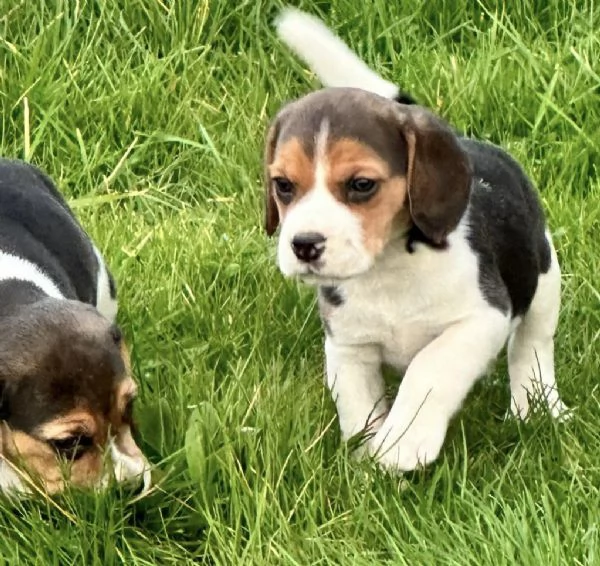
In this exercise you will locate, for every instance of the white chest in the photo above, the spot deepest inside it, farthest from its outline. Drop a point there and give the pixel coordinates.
(406, 301)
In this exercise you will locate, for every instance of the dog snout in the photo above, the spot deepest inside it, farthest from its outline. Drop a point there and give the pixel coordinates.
(308, 246)
(130, 464)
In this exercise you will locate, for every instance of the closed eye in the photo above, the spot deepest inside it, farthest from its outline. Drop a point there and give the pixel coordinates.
(72, 447)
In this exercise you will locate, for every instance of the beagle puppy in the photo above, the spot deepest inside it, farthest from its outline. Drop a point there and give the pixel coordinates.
(66, 391)
(429, 251)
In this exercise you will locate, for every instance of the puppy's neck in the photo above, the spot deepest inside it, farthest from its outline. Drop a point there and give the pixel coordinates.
(415, 236)
(406, 255)
(16, 294)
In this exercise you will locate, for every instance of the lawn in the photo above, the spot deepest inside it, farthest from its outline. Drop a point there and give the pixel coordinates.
(150, 115)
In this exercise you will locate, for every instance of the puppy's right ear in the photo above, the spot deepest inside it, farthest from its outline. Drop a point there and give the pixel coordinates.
(271, 212)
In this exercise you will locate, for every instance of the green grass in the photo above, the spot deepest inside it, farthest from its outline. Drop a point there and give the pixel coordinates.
(150, 115)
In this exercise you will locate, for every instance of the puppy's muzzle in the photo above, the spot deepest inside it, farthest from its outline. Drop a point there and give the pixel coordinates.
(130, 465)
(308, 246)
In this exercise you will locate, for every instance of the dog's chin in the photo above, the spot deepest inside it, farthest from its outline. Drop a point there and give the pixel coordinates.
(314, 280)
(321, 275)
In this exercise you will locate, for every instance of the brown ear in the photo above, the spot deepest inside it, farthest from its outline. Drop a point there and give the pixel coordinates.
(271, 212)
(4, 401)
(439, 174)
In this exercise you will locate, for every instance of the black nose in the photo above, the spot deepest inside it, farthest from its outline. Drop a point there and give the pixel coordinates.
(308, 246)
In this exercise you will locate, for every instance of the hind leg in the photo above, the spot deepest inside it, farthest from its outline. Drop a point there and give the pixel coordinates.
(531, 348)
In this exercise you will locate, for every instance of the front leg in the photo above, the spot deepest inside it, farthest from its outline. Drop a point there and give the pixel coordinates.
(433, 389)
(357, 386)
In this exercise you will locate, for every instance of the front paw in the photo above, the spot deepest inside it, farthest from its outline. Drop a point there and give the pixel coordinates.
(523, 409)
(406, 448)
(359, 444)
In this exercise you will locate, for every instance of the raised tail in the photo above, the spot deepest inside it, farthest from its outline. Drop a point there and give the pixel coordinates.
(334, 63)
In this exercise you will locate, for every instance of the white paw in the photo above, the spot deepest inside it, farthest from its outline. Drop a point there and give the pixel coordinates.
(524, 408)
(561, 412)
(405, 449)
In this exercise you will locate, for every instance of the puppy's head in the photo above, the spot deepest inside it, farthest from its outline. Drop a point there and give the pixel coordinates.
(347, 171)
(66, 398)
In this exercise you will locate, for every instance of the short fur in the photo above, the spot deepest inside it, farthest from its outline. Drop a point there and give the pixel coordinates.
(430, 249)
(65, 383)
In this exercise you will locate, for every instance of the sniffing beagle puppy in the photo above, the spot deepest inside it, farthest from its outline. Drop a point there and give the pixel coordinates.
(66, 391)
(429, 251)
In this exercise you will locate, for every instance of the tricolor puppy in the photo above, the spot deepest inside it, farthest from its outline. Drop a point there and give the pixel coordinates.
(66, 392)
(429, 251)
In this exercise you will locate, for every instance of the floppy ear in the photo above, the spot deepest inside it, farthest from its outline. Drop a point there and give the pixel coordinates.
(271, 212)
(4, 406)
(439, 174)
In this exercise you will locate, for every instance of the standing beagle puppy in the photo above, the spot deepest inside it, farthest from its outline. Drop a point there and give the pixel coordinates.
(66, 391)
(429, 251)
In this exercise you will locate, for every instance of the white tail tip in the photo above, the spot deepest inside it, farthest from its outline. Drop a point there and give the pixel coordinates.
(334, 63)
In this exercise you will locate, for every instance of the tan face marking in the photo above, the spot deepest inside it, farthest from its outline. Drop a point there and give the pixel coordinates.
(40, 461)
(35, 453)
(348, 159)
(125, 356)
(71, 424)
(61, 421)
(343, 160)
(126, 391)
(292, 162)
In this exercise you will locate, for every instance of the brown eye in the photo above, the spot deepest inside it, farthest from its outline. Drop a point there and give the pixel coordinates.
(72, 447)
(361, 188)
(284, 189)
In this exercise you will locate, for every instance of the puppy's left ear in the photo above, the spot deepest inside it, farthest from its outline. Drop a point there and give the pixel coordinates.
(439, 173)
(271, 212)
(4, 409)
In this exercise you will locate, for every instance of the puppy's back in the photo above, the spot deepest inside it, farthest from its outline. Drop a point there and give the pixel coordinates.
(36, 225)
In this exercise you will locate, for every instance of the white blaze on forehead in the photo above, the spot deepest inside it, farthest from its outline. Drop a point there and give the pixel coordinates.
(319, 211)
(320, 155)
